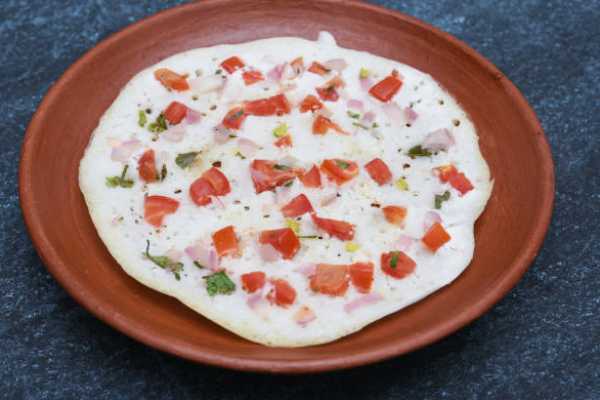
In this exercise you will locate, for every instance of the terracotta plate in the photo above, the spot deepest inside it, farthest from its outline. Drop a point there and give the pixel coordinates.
(508, 234)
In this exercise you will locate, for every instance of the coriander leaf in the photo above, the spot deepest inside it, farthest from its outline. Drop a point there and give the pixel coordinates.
(119, 181)
(219, 283)
(163, 172)
(184, 160)
(164, 262)
(440, 198)
(353, 114)
(281, 167)
(159, 125)
(418, 151)
(342, 164)
(364, 73)
(281, 130)
(142, 119)
(394, 260)
(240, 155)
(308, 237)
(289, 183)
(197, 264)
(359, 125)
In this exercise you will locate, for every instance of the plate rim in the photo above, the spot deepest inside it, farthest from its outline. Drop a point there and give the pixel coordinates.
(53, 263)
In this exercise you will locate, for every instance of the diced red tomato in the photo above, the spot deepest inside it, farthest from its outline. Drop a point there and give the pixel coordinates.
(275, 105)
(328, 92)
(339, 171)
(200, 191)
(397, 264)
(379, 171)
(312, 178)
(253, 281)
(171, 79)
(282, 294)
(361, 275)
(445, 172)
(394, 214)
(267, 175)
(458, 180)
(310, 103)
(340, 229)
(319, 69)
(323, 124)
(234, 118)
(226, 242)
(218, 181)
(212, 183)
(435, 237)
(175, 112)
(330, 279)
(251, 77)
(232, 64)
(285, 141)
(147, 166)
(386, 89)
(298, 206)
(157, 207)
(461, 183)
(283, 240)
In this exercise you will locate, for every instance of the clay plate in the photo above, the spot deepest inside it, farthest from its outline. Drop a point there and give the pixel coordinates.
(508, 234)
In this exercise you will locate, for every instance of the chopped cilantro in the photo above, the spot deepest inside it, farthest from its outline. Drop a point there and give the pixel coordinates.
(240, 155)
(197, 264)
(163, 172)
(351, 247)
(281, 130)
(375, 125)
(281, 167)
(289, 183)
(418, 151)
(308, 237)
(353, 114)
(164, 262)
(159, 125)
(342, 164)
(440, 198)
(394, 260)
(359, 125)
(120, 181)
(142, 119)
(293, 225)
(184, 160)
(219, 283)
(401, 184)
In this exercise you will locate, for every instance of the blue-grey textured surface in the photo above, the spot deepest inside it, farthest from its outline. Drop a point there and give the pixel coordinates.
(541, 341)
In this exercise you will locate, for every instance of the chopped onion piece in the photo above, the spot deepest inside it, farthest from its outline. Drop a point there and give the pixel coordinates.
(431, 217)
(337, 64)
(362, 301)
(206, 84)
(439, 140)
(123, 150)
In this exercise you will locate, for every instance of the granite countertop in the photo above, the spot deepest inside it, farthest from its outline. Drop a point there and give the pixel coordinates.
(541, 341)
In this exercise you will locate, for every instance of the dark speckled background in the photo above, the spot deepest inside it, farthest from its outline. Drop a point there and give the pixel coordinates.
(542, 341)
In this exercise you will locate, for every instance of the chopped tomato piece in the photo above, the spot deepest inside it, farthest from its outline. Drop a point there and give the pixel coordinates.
(218, 181)
(283, 240)
(282, 294)
(251, 77)
(340, 229)
(298, 206)
(435, 237)
(285, 141)
(461, 183)
(458, 180)
(267, 175)
(445, 172)
(234, 118)
(330, 279)
(394, 214)
(323, 124)
(226, 242)
(397, 264)
(339, 171)
(275, 105)
(310, 103)
(147, 166)
(200, 191)
(175, 112)
(253, 281)
(312, 178)
(361, 275)
(232, 64)
(319, 69)
(379, 171)
(157, 207)
(386, 89)
(328, 92)
(212, 183)
(171, 80)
